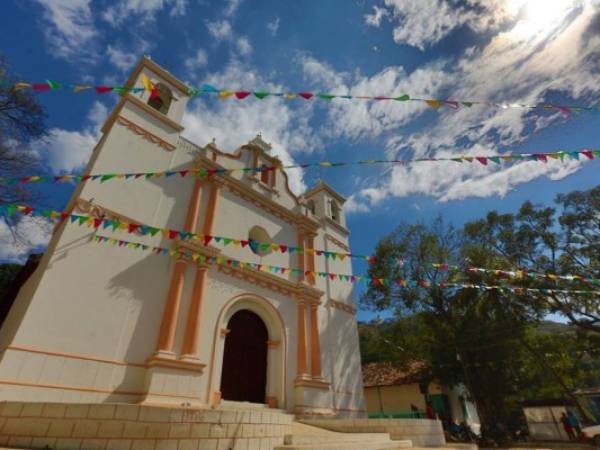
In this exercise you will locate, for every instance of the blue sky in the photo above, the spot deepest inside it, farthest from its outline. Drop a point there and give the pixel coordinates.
(498, 50)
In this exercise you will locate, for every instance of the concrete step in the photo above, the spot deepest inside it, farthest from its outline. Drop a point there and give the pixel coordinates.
(310, 437)
(360, 445)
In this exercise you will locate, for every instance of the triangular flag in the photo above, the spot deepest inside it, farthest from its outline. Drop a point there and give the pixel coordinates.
(147, 83)
(402, 98)
(435, 104)
(305, 95)
(242, 94)
(261, 95)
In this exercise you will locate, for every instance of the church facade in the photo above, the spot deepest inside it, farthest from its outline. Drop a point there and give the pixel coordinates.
(106, 324)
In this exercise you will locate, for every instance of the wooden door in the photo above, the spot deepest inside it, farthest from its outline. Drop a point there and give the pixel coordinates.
(244, 376)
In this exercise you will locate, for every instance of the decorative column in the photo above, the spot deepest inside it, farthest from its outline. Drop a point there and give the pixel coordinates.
(311, 260)
(211, 209)
(301, 347)
(300, 254)
(166, 338)
(192, 328)
(315, 347)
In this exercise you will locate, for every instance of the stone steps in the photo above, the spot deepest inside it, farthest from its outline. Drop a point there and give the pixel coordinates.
(307, 437)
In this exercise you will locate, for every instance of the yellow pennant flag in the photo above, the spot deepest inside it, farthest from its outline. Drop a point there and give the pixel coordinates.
(147, 83)
(18, 86)
(289, 96)
(435, 104)
(224, 94)
(80, 87)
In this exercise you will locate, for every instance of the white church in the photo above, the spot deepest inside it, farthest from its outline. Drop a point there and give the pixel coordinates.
(111, 348)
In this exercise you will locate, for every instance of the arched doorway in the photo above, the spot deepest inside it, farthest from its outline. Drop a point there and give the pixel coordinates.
(244, 374)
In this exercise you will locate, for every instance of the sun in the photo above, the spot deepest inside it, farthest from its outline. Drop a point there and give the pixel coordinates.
(538, 16)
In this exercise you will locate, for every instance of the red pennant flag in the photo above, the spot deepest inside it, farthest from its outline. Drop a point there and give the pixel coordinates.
(541, 157)
(305, 95)
(588, 154)
(183, 173)
(244, 243)
(64, 216)
(242, 94)
(40, 87)
(173, 234)
(154, 93)
(375, 282)
(132, 227)
(97, 222)
(423, 283)
(103, 89)
(27, 210)
(207, 239)
(332, 276)
(482, 160)
(283, 248)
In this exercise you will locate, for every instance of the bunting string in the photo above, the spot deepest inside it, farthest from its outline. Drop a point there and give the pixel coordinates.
(205, 239)
(223, 94)
(369, 281)
(543, 157)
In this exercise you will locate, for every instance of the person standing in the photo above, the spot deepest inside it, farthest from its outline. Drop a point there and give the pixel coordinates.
(567, 426)
(574, 422)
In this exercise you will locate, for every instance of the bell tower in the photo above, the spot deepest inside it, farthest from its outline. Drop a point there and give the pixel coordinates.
(157, 99)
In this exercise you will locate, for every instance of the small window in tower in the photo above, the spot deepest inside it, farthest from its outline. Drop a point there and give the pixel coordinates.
(264, 174)
(335, 211)
(259, 241)
(161, 98)
(311, 207)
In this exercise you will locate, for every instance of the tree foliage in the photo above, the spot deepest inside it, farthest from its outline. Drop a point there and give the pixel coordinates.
(484, 338)
(559, 240)
(22, 121)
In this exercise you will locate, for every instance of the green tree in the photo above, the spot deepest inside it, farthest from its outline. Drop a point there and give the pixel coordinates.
(22, 121)
(470, 336)
(563, 240)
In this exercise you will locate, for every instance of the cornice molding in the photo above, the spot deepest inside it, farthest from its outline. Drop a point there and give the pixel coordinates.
(144, 133)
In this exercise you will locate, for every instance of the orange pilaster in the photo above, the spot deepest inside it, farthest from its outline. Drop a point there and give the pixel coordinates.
(315, 347)
(166, 338)
(300, 254)
(191, 220)
(213, 201)
(192, 329)
(301, 350)
(311, 260)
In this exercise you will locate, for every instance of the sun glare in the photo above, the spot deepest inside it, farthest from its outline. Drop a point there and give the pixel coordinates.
(538, 15)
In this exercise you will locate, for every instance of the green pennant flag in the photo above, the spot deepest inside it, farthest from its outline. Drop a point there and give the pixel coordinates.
(226, 241)
(467, 104)
(326, 96)
(82, 220)
(107, 177)
(202, 172)
(115, 224)
(495, 159)
(119, 89)
(153, 230)
(402, 98)
(53, 85)
(264, 247)
(261, 95)
(11, 209)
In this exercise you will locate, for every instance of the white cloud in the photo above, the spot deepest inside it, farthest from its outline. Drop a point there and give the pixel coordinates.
(68, 151)
(220, 29)
(231, 6)
(536, 55)
(374, 19)
(28, 234)
(421, 23)
(273, 26)
(69, 28)
(360, 119)
(199, 60)
(243, 45)
(121, 60)
(118, 12)
(285, 128)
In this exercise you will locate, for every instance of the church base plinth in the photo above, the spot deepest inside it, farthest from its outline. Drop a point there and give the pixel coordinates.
(64, 426)
(312, 398)
(163, 374)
